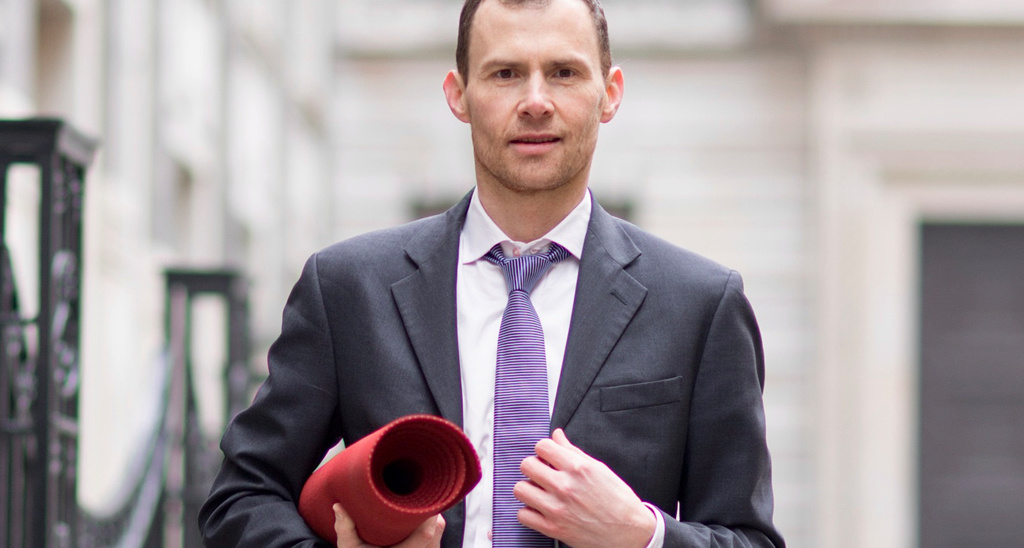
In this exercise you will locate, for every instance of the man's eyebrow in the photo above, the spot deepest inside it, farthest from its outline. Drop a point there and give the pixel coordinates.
(571, 60)
(499, 62)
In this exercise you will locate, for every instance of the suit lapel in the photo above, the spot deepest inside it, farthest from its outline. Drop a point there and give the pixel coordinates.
(607, 297)
(426, 302)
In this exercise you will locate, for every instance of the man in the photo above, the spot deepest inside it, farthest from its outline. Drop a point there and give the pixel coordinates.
(653, 357)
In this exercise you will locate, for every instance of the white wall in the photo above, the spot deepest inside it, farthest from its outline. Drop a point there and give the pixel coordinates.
(909, 127)
(215, 152)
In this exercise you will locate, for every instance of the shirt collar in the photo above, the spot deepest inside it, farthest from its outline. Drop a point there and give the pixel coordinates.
(479, 233)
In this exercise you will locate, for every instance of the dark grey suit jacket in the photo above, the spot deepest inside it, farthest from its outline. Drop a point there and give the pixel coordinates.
(662, 380)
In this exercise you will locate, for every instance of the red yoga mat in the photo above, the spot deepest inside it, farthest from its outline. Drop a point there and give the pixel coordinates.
(392, 480)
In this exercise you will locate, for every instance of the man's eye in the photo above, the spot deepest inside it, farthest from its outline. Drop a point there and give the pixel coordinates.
(565, 73)
(504, 74)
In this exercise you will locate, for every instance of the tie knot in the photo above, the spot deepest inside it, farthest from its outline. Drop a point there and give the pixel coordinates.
(523, 272)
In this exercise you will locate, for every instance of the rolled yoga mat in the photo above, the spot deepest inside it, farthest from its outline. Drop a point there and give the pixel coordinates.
(392, 480)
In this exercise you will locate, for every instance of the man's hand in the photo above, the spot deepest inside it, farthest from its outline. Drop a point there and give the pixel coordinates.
(572, 497)
(427, 535)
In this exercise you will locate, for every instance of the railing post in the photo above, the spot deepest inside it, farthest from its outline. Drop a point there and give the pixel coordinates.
(40, 447)
(194, 458)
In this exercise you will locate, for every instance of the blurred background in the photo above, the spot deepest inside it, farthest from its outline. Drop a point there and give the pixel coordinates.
(860, 162)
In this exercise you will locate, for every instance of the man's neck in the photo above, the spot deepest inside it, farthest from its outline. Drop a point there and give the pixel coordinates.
(527, 216)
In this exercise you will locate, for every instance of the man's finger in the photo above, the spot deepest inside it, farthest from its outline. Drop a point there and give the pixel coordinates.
(539, 472)
(538, 504)
(559, 437)
(345, 528)
(534, 495)
(558, 452)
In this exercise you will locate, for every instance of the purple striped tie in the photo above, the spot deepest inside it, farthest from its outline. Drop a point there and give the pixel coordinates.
(521, 416)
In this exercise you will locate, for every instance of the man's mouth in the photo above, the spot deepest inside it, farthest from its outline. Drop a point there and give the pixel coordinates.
(534, 140)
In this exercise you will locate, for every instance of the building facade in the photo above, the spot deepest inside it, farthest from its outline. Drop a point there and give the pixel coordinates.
(215, 152)
(829, 150)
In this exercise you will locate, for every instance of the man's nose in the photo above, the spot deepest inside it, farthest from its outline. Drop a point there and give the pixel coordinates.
(536, 101)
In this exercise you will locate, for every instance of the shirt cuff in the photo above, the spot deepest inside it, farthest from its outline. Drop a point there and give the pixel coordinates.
(658, 540)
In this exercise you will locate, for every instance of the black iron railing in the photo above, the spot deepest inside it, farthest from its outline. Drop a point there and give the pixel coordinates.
(194, 459)
(40, 376)
(39, 360)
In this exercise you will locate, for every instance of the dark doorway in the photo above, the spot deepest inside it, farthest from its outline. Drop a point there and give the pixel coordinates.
(972, 386)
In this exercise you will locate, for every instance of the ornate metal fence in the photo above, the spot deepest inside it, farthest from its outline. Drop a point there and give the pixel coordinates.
(40, 376)
(39, 373)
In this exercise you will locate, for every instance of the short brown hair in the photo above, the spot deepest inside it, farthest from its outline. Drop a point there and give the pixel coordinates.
(469, 11)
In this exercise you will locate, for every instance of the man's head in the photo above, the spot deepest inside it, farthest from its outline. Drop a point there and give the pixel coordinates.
(538, 94)
(469, 11)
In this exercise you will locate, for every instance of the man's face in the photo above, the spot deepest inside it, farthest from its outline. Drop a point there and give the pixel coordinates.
(534, 95)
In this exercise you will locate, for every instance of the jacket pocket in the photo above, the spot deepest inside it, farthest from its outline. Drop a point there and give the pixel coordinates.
(644, 394)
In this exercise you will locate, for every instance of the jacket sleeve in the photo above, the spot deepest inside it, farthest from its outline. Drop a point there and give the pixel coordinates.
(274, 445)
(725, 495)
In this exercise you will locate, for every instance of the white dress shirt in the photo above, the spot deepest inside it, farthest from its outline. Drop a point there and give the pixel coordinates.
(480, 299)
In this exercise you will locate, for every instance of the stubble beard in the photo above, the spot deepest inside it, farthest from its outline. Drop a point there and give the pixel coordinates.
(528, 177)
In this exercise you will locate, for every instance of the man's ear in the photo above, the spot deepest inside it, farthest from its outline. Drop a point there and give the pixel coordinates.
(614, 88)
(455, 93)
